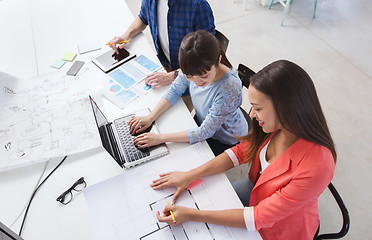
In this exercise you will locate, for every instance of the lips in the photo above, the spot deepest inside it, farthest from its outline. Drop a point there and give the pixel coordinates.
(261, 123)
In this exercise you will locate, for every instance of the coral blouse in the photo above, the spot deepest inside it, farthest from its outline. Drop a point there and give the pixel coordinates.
(284, 200)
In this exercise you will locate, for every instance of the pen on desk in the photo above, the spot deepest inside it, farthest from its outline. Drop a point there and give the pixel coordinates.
(110, 43)
(171, 212)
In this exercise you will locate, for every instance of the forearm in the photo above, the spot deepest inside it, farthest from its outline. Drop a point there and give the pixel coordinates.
(135, 28)
(219, 164)
(161, 107)
(230, 218)
(174, 137)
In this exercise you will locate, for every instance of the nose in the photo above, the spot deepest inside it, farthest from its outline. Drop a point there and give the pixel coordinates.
(251, 113)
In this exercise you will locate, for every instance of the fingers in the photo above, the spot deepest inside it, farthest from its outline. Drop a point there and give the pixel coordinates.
(149, 78)
(153, 79)
(115, 48)
(160, 183)
(154, 84)
(176, 194)
(135, 124)
(142, 141)
(122, 45)
(165, 218)
(114, 41)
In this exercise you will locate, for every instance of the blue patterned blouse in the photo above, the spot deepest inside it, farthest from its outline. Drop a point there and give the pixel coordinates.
(216, 105)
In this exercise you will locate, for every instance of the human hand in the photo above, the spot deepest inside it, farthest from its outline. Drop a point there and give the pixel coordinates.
(139, 124)
(180, 180)
(115, 41)
(181, 215)
(158, 79)
(147, 140)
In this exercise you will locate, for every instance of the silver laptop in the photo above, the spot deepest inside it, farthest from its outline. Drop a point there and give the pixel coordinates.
(7, 234)
(118, 141)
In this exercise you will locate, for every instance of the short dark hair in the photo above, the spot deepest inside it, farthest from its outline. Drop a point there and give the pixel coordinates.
(296, 104)
(198, 52)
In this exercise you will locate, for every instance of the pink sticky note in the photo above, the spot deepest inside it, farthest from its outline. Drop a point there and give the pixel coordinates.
(194, 183)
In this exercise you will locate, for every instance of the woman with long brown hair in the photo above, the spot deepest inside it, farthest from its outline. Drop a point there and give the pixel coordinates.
(291, 154)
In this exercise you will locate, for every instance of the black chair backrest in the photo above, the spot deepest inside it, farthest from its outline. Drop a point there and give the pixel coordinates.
(224, 41)
(245, 73)
(345, 217)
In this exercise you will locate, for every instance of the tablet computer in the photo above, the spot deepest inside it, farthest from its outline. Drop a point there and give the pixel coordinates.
(110, 59)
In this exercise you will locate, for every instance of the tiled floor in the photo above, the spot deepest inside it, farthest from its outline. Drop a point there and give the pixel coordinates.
(335, 49)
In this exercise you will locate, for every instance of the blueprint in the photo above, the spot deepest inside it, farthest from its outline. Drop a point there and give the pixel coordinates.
(44, 117)
(125, 206)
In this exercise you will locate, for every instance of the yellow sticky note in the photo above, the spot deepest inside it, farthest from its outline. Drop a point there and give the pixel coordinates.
(69, 56)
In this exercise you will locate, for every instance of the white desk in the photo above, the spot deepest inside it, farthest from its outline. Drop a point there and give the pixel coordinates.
(34, 34)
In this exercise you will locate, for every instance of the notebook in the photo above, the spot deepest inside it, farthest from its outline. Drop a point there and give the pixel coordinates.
(117, 140)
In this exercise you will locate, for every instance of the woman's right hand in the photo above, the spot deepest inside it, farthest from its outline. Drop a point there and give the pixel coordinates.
(180, 180)
(115, 41)
(139, 124)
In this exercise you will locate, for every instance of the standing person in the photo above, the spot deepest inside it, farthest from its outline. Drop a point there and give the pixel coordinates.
(215, 91)
(169, 21)
(292, 158)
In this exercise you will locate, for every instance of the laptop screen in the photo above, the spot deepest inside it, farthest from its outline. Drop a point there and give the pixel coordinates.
(100, 118)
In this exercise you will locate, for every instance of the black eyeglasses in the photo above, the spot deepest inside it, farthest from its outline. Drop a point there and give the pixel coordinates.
(66, 196)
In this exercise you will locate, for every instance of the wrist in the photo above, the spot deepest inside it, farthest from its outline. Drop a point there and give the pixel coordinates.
(195, 215)
(124, 37)
(175, 74)
(162, 138)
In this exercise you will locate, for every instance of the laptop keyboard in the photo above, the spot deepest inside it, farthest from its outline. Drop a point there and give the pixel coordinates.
(131, 152)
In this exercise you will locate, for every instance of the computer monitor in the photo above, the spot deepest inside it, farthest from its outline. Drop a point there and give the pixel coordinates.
(7, 234)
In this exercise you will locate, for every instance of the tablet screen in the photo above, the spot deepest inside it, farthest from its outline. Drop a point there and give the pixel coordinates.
(110, 58)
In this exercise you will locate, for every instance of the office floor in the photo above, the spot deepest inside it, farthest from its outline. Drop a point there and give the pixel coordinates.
(335, 49)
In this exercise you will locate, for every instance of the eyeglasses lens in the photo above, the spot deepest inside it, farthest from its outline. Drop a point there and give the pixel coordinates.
(65, 198)
(79, 185)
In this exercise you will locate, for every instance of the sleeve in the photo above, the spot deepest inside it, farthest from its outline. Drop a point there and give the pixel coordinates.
(237, 153)
(308, 183)
(177, 88)
(204, 17)
(225, 103)
(143, 12)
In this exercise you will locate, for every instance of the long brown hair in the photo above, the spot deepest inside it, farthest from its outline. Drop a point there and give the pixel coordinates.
(296, 104)
(199, 51)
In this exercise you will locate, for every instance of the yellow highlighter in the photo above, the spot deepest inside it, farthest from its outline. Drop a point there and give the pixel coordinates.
(110, 43)
(171, 212)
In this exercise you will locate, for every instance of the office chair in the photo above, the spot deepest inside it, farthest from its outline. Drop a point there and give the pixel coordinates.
(286, 5)
(224, 41)
(345, 217)
(244, 74)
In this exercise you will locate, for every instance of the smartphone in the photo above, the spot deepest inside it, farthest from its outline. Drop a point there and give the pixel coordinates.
(74, 69)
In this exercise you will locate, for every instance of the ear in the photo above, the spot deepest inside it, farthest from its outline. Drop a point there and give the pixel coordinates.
(220, 58)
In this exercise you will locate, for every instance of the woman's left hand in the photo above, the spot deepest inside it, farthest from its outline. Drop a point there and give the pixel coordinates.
(147, 140)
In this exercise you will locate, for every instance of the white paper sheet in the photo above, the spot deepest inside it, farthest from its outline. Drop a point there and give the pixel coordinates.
(44, 117)
(127, 83)
(124, 207)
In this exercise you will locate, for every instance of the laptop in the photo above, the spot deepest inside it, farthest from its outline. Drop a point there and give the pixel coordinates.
(117, 140)
(7, 234)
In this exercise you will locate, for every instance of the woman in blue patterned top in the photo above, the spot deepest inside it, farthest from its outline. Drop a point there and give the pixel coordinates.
(216, 93)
